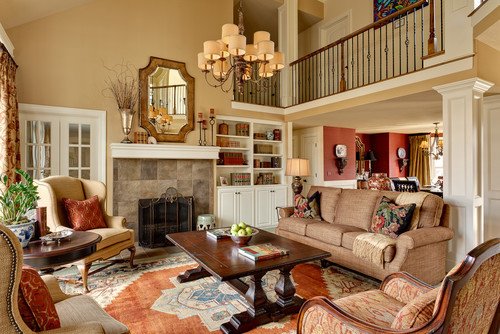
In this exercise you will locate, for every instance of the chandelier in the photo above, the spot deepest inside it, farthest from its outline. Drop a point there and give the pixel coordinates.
(231, 54)
(437, 151)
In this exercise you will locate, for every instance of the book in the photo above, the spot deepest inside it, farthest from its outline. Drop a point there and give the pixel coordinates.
(219, 233)
(262, 252)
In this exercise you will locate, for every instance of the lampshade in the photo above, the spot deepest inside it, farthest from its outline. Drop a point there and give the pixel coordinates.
(265, 71)
(260, 36)
(224, 53)
(297, 167)
(251, 53)
(202, 62)
(265, 50)
(211, 49)
(424, 145)
(220, 68)
(237, 45)
(277, 62)
(229, 29)
(370, 156)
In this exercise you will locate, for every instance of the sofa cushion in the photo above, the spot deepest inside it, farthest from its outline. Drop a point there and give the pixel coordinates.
(84, 215)
(112, 236)
(328, 201)
(80, 309)
(356, 207)
(330, 233)
(296, 225)
(307, 207)
(391, 219)
(372, 306)
(348, 242)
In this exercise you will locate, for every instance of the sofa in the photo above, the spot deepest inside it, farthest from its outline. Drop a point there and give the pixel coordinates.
(347, 213)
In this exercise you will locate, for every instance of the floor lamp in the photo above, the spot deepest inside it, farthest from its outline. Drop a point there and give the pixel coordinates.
(297, 168)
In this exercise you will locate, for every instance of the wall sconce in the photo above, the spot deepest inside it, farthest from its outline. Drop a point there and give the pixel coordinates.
(341, 164)
(402, 164)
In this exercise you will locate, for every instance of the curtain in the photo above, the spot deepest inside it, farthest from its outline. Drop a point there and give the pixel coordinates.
(10, 157)
(419, 162)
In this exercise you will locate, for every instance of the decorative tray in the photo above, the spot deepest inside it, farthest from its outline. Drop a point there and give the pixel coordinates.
(57, 236)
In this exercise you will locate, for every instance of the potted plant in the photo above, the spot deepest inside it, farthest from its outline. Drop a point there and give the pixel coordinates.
(16, 199)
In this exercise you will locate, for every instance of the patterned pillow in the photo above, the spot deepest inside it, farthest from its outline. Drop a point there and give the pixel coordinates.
(84, 215)
(36, 307)
(307, 207)
(391, 219)
(417, 312)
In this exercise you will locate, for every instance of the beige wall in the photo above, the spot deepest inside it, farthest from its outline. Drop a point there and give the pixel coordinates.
(62, 57)
(487, 65)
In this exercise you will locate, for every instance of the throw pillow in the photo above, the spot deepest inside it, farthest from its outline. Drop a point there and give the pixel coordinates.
(417, 312)
(37, 306)
(84, 215)
(307, 207)
(391, 219)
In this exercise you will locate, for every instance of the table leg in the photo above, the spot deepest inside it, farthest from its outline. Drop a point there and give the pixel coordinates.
(193, 274)
(257, 314)
(286, 300)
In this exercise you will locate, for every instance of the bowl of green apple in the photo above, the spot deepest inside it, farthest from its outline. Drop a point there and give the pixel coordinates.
(242, 233)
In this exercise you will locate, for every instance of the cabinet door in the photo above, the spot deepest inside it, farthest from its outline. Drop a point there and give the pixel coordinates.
(246, 206)
(279, 200)
(227, 213)
(263, 207)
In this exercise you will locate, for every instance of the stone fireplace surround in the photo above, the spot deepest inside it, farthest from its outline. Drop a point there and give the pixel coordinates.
(146, 171)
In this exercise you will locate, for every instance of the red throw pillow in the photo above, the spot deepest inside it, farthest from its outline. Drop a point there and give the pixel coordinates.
(35, 302)
(84, 215)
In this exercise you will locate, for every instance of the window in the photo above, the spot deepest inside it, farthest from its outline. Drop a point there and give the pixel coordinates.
(63, 141)
(437, 167)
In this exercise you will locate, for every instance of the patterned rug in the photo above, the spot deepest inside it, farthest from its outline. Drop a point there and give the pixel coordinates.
(148, 298)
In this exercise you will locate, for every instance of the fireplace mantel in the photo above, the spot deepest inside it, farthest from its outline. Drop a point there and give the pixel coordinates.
(163, 151)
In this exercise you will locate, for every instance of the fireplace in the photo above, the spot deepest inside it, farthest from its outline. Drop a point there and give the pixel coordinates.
(170, 213)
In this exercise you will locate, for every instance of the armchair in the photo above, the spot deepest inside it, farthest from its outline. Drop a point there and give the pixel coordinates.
(468, 301)
(77, 314)
(115, 238)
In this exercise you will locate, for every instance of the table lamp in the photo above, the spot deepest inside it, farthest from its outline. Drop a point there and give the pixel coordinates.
(297, 168)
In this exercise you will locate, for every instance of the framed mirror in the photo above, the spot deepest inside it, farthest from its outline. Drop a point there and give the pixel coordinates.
(166, 100)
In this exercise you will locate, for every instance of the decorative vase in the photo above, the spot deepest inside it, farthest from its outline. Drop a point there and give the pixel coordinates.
(24, 232)
(205, 222)
(127, 116)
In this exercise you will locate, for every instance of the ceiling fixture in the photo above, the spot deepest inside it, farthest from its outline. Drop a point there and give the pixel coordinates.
(231, 54)
(436, 151)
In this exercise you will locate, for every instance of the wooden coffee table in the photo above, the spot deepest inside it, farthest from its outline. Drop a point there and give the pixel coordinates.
(221, 260)
(78, 246)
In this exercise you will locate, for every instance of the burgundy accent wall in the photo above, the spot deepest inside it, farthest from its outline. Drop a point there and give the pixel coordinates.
(397, 140)
(331, 137)
(380, 146)
(365, 139)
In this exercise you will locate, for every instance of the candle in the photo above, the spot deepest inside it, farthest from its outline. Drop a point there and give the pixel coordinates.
(212, 113)
(200, 116)
(204, 124)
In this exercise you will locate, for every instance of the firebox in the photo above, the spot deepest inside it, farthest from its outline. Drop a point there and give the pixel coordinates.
(170, 213)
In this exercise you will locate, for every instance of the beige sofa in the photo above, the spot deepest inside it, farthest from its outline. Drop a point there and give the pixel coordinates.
(346, 213)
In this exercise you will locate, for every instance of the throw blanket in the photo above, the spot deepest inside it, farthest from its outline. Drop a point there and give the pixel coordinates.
(371, 247)
(409, 198)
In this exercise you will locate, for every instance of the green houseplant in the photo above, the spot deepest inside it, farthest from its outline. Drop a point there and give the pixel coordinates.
(16, 199)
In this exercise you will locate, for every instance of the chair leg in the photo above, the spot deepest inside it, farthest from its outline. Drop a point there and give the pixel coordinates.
(84, 270)
(132, 254)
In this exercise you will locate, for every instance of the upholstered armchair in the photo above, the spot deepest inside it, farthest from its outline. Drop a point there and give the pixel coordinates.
(115, 237)
(77, 313)
(466, 302)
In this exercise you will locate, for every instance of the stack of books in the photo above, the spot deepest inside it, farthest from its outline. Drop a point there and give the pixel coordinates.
(219, 233)
(262, 252)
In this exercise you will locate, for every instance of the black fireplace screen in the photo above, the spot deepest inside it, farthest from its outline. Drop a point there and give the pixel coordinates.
(169, 213)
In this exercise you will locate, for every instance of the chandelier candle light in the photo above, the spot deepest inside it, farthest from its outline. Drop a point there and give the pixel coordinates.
(437, 152)
(255, 62)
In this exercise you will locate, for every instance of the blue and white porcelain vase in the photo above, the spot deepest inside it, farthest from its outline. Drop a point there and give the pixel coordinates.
(24, 232)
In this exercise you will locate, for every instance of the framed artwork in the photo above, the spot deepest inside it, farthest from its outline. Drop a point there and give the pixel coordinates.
(383, 8)
(223, 181)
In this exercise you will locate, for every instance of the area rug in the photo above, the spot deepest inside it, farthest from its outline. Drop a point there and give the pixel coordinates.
(148, 298)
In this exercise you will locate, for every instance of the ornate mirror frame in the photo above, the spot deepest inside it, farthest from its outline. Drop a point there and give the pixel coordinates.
(144, 73)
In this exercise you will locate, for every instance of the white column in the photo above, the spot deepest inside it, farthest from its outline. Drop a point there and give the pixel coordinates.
(288, 36)
(491, 166)
(462, 163)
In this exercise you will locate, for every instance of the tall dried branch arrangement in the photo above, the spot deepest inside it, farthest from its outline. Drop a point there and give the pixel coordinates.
(122, 83)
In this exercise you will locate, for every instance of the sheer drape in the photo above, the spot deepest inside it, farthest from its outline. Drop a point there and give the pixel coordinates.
(419, 162)
(9, 118)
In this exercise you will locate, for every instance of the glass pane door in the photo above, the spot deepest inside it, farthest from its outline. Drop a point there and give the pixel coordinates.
(79, 155)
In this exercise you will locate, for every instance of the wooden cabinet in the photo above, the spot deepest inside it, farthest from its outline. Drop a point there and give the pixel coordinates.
(266, 201)
(235, 205)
